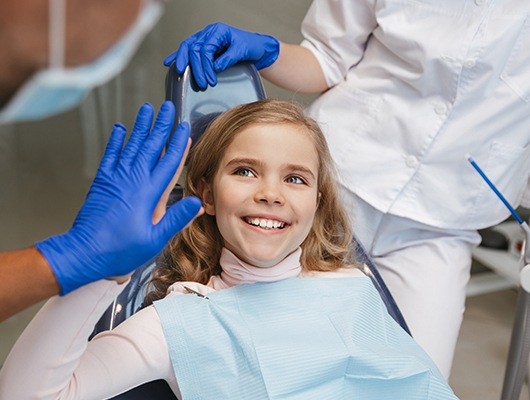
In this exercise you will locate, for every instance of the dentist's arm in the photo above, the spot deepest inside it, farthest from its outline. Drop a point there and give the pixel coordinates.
(25, 279)
(219, 46)
(119, 227)
(296, 69)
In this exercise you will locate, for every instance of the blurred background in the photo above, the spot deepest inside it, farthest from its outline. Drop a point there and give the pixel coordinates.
(70, 69)
(47, 164)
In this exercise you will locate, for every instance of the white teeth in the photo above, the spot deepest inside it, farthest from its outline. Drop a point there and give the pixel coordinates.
(265, 223)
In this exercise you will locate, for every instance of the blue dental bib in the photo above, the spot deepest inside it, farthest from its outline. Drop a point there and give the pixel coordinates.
(300, 338)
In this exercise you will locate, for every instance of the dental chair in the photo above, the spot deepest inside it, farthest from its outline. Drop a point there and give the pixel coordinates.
(237, 85)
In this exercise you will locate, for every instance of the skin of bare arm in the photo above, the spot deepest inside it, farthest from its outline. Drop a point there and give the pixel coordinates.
(25, 279)
(296, 69)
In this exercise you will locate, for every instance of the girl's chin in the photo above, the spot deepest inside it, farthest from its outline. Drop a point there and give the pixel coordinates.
(261, 255)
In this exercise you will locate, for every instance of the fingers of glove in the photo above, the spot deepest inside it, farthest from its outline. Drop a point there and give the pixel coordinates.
(218, 38)
(162, 205)
(112, 151)
(140, 131)
(174, 158)
(262, 50)
(165, 176)
(208, 63)
(154, 145)
(231, 56)
(177, 217)
(170, 58)
(181, 56)
(241, 46)
(196, 65)
(202, 51)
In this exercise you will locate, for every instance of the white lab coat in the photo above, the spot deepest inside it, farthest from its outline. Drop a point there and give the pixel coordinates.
(418, 85)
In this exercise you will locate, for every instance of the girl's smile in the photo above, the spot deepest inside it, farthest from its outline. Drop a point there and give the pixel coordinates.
(264, 194)
(265, 223)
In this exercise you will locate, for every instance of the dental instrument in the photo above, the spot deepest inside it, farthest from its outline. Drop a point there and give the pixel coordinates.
(519, 351)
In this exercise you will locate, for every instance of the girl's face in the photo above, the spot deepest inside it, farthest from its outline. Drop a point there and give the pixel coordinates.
(265, 193)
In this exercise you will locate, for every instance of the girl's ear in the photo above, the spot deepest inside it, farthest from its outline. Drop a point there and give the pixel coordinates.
(206, 192)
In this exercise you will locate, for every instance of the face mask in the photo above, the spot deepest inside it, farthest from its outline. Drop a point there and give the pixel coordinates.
(58, 89)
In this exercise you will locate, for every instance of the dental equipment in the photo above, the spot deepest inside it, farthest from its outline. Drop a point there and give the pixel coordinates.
(519, 351)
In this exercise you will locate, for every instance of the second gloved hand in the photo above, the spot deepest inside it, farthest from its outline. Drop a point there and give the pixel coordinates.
(218, 47)
(114, 232)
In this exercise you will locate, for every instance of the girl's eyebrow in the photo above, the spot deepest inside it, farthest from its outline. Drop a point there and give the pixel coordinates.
(253, 162)
(246, 161)
(300, 169)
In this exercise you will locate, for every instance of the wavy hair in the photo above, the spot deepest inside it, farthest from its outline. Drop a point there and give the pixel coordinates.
(193, 254)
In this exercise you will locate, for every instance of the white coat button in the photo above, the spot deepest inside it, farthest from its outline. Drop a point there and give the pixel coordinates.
(469, 63)
(440, 109)
(480, 2)
(411, 161)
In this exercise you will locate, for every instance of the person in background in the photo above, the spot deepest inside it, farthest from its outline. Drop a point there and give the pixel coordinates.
(408, 89)
(119, 227)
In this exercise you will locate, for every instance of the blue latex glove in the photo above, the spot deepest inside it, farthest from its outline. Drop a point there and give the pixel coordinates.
(114, 231)
(218, 47)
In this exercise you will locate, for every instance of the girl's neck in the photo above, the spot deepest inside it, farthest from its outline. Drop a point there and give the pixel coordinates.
(236, 272)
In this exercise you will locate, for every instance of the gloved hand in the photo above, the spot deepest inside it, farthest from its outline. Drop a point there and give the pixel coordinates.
(114, 231)
(218, 47)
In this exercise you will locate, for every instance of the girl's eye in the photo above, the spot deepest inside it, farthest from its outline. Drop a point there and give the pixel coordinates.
(295, 179)
(244, 172)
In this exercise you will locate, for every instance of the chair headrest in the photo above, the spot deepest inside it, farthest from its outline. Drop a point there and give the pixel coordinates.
(238, 84)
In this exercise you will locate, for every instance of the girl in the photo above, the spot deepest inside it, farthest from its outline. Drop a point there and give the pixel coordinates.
(248, 327)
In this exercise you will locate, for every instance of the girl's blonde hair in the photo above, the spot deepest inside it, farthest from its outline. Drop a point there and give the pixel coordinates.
(193, 255)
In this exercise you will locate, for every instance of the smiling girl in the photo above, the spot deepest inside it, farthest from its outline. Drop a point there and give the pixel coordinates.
(255, 299)
(268, 187)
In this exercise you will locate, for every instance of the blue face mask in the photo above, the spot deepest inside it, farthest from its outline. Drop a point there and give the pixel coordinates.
(58, 89)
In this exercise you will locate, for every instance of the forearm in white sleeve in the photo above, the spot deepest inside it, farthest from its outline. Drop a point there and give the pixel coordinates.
(53, 360)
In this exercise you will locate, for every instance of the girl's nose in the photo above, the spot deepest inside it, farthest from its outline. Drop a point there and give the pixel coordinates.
(270, 194)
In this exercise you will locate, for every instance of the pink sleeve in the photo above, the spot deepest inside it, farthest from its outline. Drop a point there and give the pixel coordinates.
(53, 360)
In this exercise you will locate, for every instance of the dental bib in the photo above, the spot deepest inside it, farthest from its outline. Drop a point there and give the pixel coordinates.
(299, 338)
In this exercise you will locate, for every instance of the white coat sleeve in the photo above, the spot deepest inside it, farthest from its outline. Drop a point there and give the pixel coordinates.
(336, 31)
(53, 360)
